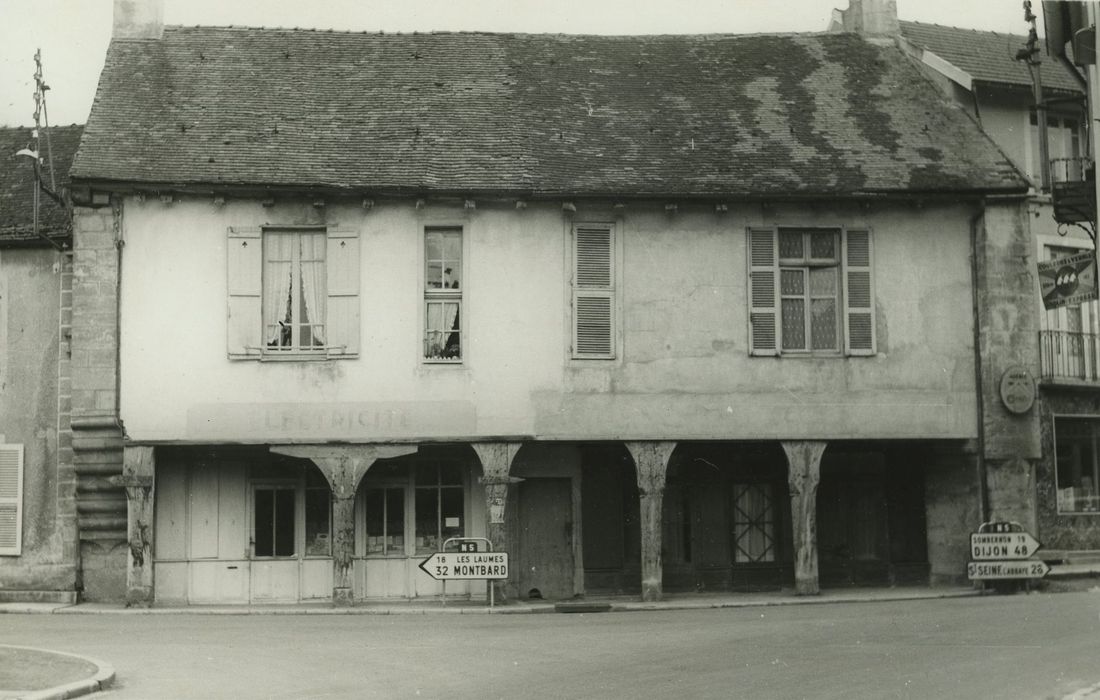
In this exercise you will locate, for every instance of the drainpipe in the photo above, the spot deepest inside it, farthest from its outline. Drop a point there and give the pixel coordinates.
(983, 485)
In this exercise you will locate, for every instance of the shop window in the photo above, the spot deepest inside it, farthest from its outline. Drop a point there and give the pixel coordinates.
(443, 294)
(318, 509)
(385, 508)
(274, 529)
(11, 499)
(1077, 466)
(439, 505)
(293, 293)
(811, 292)
(753, 523)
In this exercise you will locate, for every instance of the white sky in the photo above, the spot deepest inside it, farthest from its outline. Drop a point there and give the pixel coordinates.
(73, 34)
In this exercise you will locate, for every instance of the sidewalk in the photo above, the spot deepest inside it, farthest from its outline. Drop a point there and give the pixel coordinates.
(453, 606)
(38, 674)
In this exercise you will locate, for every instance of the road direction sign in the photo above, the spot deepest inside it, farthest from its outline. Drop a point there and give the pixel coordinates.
(987, 570)
(459, 566)
(993, 546)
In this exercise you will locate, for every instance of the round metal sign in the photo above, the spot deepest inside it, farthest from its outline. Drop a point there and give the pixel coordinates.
(1017, 389)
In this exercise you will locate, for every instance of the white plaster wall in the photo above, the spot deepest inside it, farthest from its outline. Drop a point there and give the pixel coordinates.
(683, 369)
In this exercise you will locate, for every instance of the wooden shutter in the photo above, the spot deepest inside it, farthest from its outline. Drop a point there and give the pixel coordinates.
(342, 318)
(11, 499)
(593, 291)
(859, 293)
(244, 268)
(763, 292)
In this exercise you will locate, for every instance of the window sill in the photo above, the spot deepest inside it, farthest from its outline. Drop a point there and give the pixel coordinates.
(295, 357)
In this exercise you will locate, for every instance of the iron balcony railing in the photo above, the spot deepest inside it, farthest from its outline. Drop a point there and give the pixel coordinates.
(1069, 355)
(1073, 190)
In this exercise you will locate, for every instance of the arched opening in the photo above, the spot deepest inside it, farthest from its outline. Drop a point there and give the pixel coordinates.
(611, 519)
(726, 518)
(406, 509)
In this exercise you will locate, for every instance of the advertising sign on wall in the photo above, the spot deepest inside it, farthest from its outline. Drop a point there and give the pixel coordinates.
(1068, 281)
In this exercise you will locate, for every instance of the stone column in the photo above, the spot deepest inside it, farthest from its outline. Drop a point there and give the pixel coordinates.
(343, 467)
(651, 465)
(138, 463)
(496, 461)
(803, 476)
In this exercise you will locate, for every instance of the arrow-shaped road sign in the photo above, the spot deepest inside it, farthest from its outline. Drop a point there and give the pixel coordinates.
(990, 546)
(985, 570)
(457, 566)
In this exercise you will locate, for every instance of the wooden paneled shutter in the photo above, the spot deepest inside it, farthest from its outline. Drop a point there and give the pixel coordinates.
(763, 293)
(11, 499)
(593, 291)
(859, 293)
(244, 256)
(342, 259)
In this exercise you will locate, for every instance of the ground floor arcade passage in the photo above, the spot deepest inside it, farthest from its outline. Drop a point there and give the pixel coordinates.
(250, 525)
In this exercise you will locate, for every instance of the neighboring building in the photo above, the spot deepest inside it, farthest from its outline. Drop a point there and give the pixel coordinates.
(38, 553)
(981, 72)
(343, 296)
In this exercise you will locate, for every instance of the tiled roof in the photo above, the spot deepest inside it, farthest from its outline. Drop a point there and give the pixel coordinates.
(988, 56)
(17, 184)
(715, 115)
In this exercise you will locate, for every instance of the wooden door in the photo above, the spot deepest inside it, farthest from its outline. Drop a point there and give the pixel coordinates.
(544, 565)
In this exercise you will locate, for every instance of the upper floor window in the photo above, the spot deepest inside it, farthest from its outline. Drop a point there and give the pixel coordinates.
(593, 291)
(443, 294)
(293, 293)
(811, 292)
(1064, 149)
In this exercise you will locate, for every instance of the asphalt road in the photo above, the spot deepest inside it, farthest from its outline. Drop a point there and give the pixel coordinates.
(1016, 646)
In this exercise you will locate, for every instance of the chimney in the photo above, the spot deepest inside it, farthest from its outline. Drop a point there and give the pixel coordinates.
(877, 18)
(138, 19)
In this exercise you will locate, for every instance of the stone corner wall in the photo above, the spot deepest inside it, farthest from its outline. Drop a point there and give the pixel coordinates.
(97, 436)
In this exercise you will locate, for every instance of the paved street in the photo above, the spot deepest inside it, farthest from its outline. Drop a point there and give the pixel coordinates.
(1019, 646)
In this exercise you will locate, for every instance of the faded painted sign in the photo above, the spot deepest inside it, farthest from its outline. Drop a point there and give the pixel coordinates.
(332, 421)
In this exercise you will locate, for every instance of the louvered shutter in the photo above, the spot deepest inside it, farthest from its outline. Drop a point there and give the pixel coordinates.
(11, 499)
(859, 293)
(244, 256)
(342, 318)
(593, 291)
(763, 293)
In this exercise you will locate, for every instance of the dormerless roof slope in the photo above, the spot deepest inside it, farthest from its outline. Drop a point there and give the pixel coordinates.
(17, 184)
(720, 115)
(988, 56)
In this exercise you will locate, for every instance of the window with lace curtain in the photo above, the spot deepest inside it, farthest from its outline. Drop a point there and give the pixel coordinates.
(443, 294)
(293, 293)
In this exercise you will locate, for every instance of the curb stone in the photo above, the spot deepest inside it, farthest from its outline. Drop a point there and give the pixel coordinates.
(100, 680)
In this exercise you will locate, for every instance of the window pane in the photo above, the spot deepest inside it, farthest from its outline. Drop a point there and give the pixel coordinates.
(823, 324)
(753, 523)
(452, 258)
(395, 521)
(318, 535)
(427, 519)
(823, 281)
(442, 338)
(451, 512)
(264, 536)
(823, 245)
(794, 324)
(790, 244)
(1077, 472)
(376, 520)
(450, 474)
(284, 522)
(792, 282)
